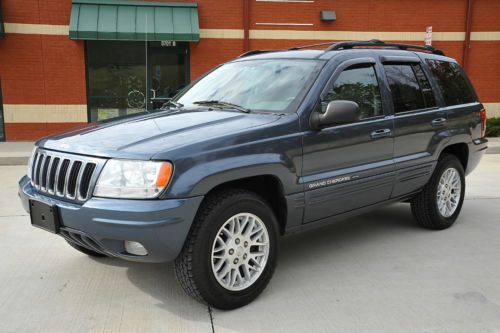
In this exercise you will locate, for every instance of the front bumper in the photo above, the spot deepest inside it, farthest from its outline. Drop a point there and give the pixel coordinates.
(161, 226)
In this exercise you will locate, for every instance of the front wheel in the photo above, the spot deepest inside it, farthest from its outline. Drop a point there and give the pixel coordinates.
(230, 254)
(438, 205)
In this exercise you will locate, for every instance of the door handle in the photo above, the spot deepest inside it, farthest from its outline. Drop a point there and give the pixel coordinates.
(381, 133)
(438, 122)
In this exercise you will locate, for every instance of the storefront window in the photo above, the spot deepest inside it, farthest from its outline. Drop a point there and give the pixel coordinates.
(124, 78)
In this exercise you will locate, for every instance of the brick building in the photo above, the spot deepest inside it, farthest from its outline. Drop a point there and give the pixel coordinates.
(64, 63)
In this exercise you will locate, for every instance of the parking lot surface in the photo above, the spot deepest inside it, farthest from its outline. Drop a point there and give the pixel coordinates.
(373, 273)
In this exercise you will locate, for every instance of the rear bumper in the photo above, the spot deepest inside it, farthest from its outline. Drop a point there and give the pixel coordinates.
(161, 226)
(477, 148)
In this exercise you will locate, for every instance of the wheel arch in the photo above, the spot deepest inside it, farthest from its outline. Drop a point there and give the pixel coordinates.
(460, 150)
(268, 186)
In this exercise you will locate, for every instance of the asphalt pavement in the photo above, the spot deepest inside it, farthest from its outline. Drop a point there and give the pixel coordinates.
(373, 273)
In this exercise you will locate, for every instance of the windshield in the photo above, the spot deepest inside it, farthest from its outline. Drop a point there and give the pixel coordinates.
(275, 85)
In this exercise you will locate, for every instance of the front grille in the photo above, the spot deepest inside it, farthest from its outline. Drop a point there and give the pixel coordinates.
(64, 175)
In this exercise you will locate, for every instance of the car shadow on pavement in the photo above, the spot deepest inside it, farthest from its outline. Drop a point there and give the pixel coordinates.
(296, 251)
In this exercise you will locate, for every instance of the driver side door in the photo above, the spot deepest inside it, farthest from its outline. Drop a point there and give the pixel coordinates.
(350, 166)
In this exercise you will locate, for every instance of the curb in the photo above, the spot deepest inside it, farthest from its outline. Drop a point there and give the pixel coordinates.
(493, 150)
(14, 160)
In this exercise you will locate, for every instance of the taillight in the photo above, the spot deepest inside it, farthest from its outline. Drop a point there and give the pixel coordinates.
(482, 115)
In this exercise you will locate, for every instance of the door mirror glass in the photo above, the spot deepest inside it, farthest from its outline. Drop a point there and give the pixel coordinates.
(337, 112)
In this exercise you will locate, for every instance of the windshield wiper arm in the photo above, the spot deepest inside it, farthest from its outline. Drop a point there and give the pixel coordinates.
(223, 104)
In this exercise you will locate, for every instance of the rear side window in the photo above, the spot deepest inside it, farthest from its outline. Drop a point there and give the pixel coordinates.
(358, 84)
(405, 88)
(451, 82)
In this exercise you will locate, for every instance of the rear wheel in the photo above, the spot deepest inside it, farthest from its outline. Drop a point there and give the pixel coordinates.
(439, 203)
(230, 254)
(86, 251)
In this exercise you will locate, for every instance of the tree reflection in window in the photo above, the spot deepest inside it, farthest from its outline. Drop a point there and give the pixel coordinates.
(452, 82)
(358, 84)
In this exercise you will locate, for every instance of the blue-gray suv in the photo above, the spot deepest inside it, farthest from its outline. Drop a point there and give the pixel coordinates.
(270, 143)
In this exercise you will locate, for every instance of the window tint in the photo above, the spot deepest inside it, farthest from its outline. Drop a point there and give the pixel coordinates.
(425, 86)
(452, 82)
(405, 90)
(360, 85)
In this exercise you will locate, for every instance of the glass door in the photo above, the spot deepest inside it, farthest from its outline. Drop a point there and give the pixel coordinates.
(126, 77)
(168, 74)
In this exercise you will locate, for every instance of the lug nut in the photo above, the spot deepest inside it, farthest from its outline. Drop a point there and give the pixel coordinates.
(231, 251)
(237, 241)
(246, 244)
(235, 261)
(244, 256)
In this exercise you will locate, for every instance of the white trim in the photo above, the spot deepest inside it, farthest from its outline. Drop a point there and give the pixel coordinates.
(492, 109)
(63, 30)
(485, 35)
(43, 113)
(36, 29)
(222, 33)
(353, 35)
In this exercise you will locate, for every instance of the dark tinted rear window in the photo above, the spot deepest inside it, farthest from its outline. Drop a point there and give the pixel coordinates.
(452, 82)
(405, 90)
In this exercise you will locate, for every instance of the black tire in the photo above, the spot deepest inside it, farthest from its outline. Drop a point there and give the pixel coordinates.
(86, 251)
(424, 206)
(193, 266)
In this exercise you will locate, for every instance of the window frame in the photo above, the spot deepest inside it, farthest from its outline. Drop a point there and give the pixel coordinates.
(335, 75)
(410, 62)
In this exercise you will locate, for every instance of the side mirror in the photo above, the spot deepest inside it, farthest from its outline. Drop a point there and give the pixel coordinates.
(337, 112)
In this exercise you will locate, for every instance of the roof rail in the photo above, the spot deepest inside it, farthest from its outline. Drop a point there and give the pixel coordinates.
(308, 46)
(253, 52)
(379, 43)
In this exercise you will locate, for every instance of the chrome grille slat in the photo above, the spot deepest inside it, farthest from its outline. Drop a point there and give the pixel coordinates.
(66, 179)
(51, 174)
(65, 175)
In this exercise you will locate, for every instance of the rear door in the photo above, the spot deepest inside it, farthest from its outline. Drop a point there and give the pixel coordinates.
(418, 121)
(350, 166)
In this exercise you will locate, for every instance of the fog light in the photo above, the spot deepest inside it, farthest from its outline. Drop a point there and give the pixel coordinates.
(135, 248)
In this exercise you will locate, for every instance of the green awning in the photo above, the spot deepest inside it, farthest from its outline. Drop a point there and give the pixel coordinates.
(134, 20)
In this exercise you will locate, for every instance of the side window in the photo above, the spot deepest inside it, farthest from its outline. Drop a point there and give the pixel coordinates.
(405, 89)
(451, 81)
(429, 99)
(358, 84)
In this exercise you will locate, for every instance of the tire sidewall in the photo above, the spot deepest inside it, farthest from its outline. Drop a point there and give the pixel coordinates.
(202, 265)
(445, 164)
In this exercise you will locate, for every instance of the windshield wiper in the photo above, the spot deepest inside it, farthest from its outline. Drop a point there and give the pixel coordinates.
(223, 104)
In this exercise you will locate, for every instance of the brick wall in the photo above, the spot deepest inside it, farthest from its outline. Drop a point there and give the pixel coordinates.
(39, 69)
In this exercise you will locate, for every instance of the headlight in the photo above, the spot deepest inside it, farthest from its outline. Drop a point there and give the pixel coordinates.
(30, 163)
(133, 179)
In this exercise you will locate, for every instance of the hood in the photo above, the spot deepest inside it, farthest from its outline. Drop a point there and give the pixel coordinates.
(146, 135)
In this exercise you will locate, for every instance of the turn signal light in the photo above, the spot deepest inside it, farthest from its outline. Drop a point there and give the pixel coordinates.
(482, 115)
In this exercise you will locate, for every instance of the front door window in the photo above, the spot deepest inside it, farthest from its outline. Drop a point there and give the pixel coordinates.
(126, 77)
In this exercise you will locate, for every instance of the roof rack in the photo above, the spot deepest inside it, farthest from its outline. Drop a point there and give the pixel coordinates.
(253, 52)
(308, 46)
(368, 43)
(379, 43)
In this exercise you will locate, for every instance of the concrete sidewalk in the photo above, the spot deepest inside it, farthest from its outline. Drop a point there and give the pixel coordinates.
(18, 153)
(372, 273)
(15, 153)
